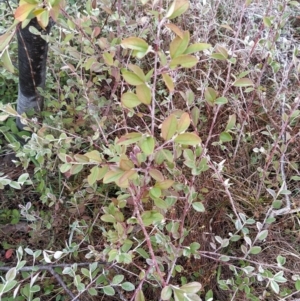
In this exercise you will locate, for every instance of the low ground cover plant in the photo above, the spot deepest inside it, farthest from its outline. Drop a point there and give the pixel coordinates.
(165, 162)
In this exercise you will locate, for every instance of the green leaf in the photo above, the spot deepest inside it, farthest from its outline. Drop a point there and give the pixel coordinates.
(222, 50)
(135, 43)
(139, 296)
(198, 206)
(3, 117)
(127, 286)
(22, 178)
(130, 100)
(125, 258)
(138, 72)
(139, 54)
(166, 293)
(267, 21)
(168, 127)
(209, 296)
(274, 286)
(11, 274)
(35, 289)
(130, 138)
(112, 255)
(92, 291)
(175, 29)
(143, 253)
(8, 109)
(155, 192)
(297, 285)
(90, 63)
(278, 277)
(123, 181)
(75, 169)
(162, 58)
(243, 82)
(7, 61)
(190, 97)
(195, 115)
(65, 167)
(164, 184)
(184, 60)
(255, 250)
(225, 137)
(221, 101)
(117, 279)
(131, 78)
(15, 185)
(126, 245)
(156, 174)
(235, 237)
(96, 174)
(5, 39)
(108, 218)
(188, 139)
(23, 11)
(194, 246)
(8, 286)
(224, 258)
(231, 122)
(112, 176)
(183, 123)
(160, 203)
(108, 58)
(218, 56)
(94, 156)
(262, 235)
(143, 93)
(81, 158)
(179, 295)
(147, 145)
(281, 260)
(277, 204)
(163, 155)
(43, 18)
(108, 290)
(210, 95)
(203, 166)
(197, 47)
(149, 75)
(179, 45)
(177, 8)
(151, 217)
(84, 271)
(168, 81)
(32, 1)
(191, 288)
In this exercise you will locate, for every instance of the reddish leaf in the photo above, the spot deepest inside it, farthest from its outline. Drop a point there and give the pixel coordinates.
(156, 174)
(9, 253)
(175, 29)
(23, 11)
